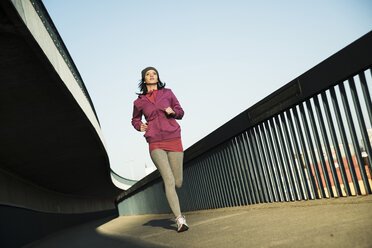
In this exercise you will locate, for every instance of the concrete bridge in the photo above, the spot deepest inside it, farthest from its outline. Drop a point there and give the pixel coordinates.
(294, 170)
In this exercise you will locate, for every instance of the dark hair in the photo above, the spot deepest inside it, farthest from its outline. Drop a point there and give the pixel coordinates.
(142, 85)
(143, 88)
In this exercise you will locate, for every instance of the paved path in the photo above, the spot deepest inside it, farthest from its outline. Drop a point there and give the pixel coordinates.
(342, 222)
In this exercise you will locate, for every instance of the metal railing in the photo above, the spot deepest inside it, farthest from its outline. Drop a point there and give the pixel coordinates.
(308, 140)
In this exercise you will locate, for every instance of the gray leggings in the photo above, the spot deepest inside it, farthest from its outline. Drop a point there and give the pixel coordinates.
(170, 165)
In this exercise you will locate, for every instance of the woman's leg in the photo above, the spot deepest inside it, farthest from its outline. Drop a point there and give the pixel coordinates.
(161, 161)
(176, 164)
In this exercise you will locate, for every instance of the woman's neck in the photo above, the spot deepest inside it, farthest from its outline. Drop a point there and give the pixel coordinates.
(151, 87)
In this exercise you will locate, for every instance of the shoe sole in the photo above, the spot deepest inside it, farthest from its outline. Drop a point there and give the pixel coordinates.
(183, 228)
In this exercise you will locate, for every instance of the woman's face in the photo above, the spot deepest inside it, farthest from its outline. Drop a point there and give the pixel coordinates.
(151, 77)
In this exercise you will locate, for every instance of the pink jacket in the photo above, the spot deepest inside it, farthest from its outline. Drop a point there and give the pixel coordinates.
(160, 126)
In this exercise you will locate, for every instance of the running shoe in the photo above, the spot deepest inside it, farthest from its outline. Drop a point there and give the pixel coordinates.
(181, 224)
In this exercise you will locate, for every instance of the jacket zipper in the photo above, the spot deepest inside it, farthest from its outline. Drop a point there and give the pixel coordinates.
(158, 117)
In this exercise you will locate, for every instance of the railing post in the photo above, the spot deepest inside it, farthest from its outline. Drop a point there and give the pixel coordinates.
(336, 190)
(301, 177)
(353, 135)
(335, 143)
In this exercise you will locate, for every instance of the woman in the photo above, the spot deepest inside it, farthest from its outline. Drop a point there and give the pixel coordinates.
(161, 109)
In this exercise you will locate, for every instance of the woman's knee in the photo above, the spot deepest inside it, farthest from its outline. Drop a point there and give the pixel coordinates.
(178, 182)
(169, 182)
(172, 183)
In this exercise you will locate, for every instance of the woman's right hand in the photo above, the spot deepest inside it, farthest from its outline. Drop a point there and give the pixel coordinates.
(143, 127)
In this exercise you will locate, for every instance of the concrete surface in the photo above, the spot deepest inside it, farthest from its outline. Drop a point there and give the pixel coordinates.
(341, 222)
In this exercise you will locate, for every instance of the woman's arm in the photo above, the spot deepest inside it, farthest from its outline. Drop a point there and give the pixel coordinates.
(175, 105)
(137, 118)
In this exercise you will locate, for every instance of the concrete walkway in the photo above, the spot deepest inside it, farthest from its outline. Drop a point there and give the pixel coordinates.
(342, 222)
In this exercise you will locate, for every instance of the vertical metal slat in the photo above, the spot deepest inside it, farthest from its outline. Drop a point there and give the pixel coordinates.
(231, 179)
(239, 167)
(227, 177)
(327, 147)
(311, 182)
(363, 130)
(257, 172)
(345, 143)
(264, 165)
(277, 178)
(233, 168)
(186, 187)
(233, 176)
(301, 173)
(221, 183)
(312, 152)
(280, 165)
(211, 181)
(353, 133)
(335, 142)
(367, 97)
(293, 175)
(204, 199)
(197, 192)
(270, 165)
(319, 148)
(286, 171)
(259, 165)
(367, 100)
(251, 168)
(244, 161)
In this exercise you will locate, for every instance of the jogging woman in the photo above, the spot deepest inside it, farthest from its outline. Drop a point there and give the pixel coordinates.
(161, 109)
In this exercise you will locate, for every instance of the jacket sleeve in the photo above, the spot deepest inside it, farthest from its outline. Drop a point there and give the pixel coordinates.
(176, 107)
(137, 117)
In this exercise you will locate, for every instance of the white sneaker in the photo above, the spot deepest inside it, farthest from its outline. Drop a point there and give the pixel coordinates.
(181, 224)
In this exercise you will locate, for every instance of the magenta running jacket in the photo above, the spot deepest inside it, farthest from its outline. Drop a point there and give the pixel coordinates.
(160, 126)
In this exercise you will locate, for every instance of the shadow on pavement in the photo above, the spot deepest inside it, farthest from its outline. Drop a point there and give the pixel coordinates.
(88, 235)
(164, 223)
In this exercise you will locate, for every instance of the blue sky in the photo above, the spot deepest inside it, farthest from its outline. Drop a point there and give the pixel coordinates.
(218, 57)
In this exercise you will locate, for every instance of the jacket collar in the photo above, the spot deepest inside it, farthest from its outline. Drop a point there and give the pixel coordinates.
(160, 93)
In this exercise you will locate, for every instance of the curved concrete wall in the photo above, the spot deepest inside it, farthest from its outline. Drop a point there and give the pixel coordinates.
(40, 33)
(17, 192)
(121, 182)
(54, 168)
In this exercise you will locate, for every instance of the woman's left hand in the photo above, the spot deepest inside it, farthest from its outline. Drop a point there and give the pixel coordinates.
(169, 111)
